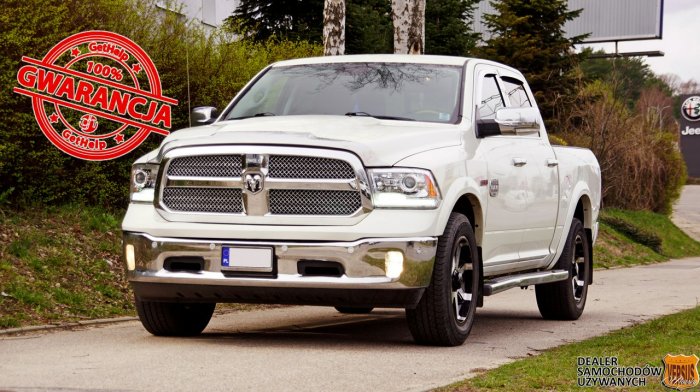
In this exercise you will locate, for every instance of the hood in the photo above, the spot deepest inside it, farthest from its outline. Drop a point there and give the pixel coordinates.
(376, 142)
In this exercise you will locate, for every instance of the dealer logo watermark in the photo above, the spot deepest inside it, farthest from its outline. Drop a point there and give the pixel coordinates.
(606, 372)
(96, 95)
(679, 372)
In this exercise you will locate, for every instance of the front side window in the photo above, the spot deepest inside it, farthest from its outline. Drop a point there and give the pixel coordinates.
(490, 98)
(399, 91)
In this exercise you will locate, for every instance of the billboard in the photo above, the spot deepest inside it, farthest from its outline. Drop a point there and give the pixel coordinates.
(690, 133)
(605, 20)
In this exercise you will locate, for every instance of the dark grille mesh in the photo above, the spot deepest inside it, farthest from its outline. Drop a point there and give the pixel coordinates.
(223, 200)
(207, 166)
(313, 202)
(290, 166)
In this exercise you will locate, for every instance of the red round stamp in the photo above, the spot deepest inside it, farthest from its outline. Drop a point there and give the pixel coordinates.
(96, 95)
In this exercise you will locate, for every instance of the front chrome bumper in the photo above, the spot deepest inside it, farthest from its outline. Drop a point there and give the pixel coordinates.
(363, 263)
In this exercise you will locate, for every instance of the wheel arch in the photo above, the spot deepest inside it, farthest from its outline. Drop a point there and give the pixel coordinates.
(468, 204)
(583, 211)
(463, 196)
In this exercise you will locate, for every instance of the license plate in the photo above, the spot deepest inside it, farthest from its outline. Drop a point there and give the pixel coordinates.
(246, 259)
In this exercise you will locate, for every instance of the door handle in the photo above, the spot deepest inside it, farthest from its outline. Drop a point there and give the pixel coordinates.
(518, 162)
(551, 162)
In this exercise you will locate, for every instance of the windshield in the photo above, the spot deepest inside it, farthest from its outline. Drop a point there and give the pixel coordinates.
(396, 91)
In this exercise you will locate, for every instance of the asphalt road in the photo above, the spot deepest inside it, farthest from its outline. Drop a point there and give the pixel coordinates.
(317, 349)
(686, 212)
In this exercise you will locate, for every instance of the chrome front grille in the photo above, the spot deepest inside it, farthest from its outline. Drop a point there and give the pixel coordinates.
(312, 202)
(292, 166)
(188, 199)
(207, 166)
(220, 181)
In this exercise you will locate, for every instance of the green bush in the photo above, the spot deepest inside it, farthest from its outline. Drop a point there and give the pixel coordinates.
(32, 170)
(641, 164)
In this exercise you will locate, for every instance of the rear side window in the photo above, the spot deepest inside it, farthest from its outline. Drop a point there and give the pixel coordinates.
(491, 99)
(516, 94)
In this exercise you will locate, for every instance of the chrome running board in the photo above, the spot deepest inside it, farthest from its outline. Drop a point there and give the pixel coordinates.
(496, 285)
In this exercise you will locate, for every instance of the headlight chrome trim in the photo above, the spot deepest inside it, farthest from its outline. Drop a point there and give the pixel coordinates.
(389, 191)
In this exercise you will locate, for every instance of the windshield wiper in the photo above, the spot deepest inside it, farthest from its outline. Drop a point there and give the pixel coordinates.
(263, 114)
(381, 117)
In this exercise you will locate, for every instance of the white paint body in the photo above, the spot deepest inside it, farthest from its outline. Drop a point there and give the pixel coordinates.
(520, 228)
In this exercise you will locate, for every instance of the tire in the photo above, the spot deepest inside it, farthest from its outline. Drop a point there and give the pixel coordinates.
(353, 310)
(445, 314)
(174, 319)
(566, 299)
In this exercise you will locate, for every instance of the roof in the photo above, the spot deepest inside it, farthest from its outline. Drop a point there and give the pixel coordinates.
(374, 58)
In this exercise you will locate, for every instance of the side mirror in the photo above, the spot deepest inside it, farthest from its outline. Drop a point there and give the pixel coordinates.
(203, 115)
(513, 121)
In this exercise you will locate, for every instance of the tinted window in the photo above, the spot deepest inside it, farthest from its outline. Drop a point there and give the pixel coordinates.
(516, 93)
(421, 92)
(491, 99)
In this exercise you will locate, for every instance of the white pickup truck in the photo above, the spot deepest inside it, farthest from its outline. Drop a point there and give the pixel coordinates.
(417, 182)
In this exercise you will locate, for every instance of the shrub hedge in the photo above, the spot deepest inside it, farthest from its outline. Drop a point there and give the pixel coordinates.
(32, 170)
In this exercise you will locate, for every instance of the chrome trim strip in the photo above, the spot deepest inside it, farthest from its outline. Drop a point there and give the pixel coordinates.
(510, 261)
(282, 280)
(270, 183)
(370, 241)
(301, 184)
(204, 182)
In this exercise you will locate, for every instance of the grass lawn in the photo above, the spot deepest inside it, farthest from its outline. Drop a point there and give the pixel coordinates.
(639, 237)
(556, 369)
(60, 265)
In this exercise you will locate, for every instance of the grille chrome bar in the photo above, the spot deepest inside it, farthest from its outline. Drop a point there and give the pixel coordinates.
(203, 182)
(270, 183)
(336, 196)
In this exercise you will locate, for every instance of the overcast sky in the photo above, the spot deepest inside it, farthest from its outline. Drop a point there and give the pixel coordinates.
(680, 41)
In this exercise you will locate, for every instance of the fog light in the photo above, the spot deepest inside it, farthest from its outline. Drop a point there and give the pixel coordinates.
(130, 257)
(393, 264)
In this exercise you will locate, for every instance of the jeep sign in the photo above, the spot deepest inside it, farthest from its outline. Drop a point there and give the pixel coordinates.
(690, 133)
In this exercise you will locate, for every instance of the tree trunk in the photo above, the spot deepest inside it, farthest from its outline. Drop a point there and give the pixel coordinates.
(409, 26)
(333, 27)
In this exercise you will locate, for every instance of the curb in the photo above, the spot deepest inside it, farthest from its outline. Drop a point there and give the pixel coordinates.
(49, 327)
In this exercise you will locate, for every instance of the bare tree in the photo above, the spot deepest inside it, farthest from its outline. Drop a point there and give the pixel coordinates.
(333, 27)
(690, 86)
(658, 108)
(409, 26)
(673, 82)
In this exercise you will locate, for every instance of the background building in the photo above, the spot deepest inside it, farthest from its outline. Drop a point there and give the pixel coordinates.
(210, 13)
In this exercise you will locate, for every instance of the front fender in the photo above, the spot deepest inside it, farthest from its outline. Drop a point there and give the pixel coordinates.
(457, 177)
(469, 188)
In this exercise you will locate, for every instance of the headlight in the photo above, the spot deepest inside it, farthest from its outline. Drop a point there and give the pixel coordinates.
(143, 182)
(403, 188)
